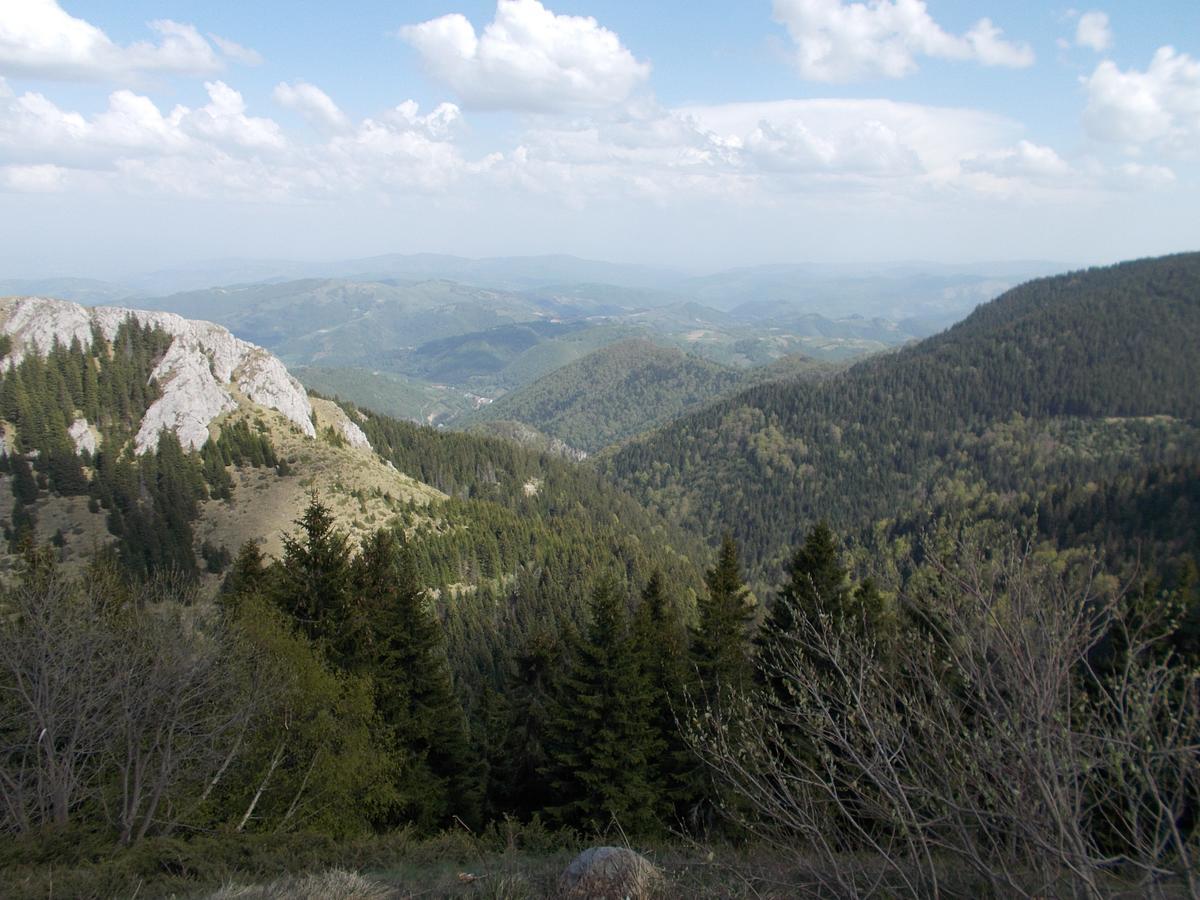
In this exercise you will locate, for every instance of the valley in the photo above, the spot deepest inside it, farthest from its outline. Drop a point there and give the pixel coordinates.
(555, 545)
(544, 450)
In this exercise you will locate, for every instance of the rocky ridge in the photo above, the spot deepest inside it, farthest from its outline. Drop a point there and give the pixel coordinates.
(198, 376)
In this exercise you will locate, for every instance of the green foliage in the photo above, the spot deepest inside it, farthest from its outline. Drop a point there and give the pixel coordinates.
(313, 583)
(401, 645)
(604, 746)
(313, 761)
(720, 646)
(856, 447)
(612, 393)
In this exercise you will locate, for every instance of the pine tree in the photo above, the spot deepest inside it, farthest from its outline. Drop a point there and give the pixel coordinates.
(314, 576)
(660, 644)
(395, 638)
(604, 745)
(720, 646)
(817, 585)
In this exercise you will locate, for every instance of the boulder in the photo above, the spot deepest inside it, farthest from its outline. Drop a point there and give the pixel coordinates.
(610, 873)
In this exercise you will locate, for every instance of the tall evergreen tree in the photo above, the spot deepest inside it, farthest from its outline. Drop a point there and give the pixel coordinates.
(395, 638)
(519, 779)
(247, 576)
(660, 644)
(720, 646)
(604, 744)
(315, 576)
(817, 583)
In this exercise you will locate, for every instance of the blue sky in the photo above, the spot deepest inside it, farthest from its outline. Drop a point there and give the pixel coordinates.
(155, 132)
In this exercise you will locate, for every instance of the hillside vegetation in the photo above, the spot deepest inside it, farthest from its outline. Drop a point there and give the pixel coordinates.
(613, 393)
(624, 389)
(1088, 347)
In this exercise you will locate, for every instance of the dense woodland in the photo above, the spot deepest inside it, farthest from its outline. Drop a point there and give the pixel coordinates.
(931, 625)
(1064, 353)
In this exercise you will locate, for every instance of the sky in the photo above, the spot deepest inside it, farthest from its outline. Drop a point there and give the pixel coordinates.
(144, 134)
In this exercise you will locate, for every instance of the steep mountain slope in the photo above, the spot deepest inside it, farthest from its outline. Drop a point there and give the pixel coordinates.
(174, 443)
(130, 427)
(1084, 351)
(198, 374)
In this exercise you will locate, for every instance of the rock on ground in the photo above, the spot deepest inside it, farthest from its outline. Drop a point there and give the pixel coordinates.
(610, 873)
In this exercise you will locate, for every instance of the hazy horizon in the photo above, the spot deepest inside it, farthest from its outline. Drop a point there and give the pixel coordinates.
(146, 135)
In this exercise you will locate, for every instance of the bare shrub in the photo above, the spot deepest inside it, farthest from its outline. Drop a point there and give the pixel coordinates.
(131, 703)
(982, 750)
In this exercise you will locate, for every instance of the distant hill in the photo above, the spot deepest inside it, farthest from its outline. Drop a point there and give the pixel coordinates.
(88, 291)
(624, 389)
(337, 322)
(511, 272)
(928, 291)
(612, 393)
(427, 350)
(1062, 380)
(399, 396)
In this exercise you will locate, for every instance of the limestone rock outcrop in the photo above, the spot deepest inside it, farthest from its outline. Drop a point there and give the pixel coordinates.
(84, 437)
(198, 375)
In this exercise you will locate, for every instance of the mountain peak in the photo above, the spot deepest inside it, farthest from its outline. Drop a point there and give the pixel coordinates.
(200, 376)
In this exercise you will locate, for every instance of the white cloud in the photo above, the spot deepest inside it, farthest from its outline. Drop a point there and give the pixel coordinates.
(33, 128)
(219, 150)
(1159, 107)
(528, 58)
(247, 56)
(928, 139)
(1025, 160)
(1092, 30)
(223, 120)
(838, 41)
(437, 125)
(1136, 176)
(43, 178)
(864, 148)
(39, 38)
(314, 104)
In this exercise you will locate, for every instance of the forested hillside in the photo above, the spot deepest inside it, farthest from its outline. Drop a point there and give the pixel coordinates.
(456, 630)
(612, 394)
(626, 388)
(1079, 352)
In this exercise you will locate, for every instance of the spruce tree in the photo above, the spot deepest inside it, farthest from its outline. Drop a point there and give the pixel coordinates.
(720, 646)
(394, 638)
(817, 585)
(519, 782)
(247, 576)
(604, 745)
(314, 576)
(660, 643)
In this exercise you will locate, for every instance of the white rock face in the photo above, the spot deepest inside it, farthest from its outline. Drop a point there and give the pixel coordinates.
(349, 430)
(83, 436)
(196, 375)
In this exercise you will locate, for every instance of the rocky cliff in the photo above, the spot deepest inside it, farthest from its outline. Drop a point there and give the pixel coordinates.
(200, 376)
